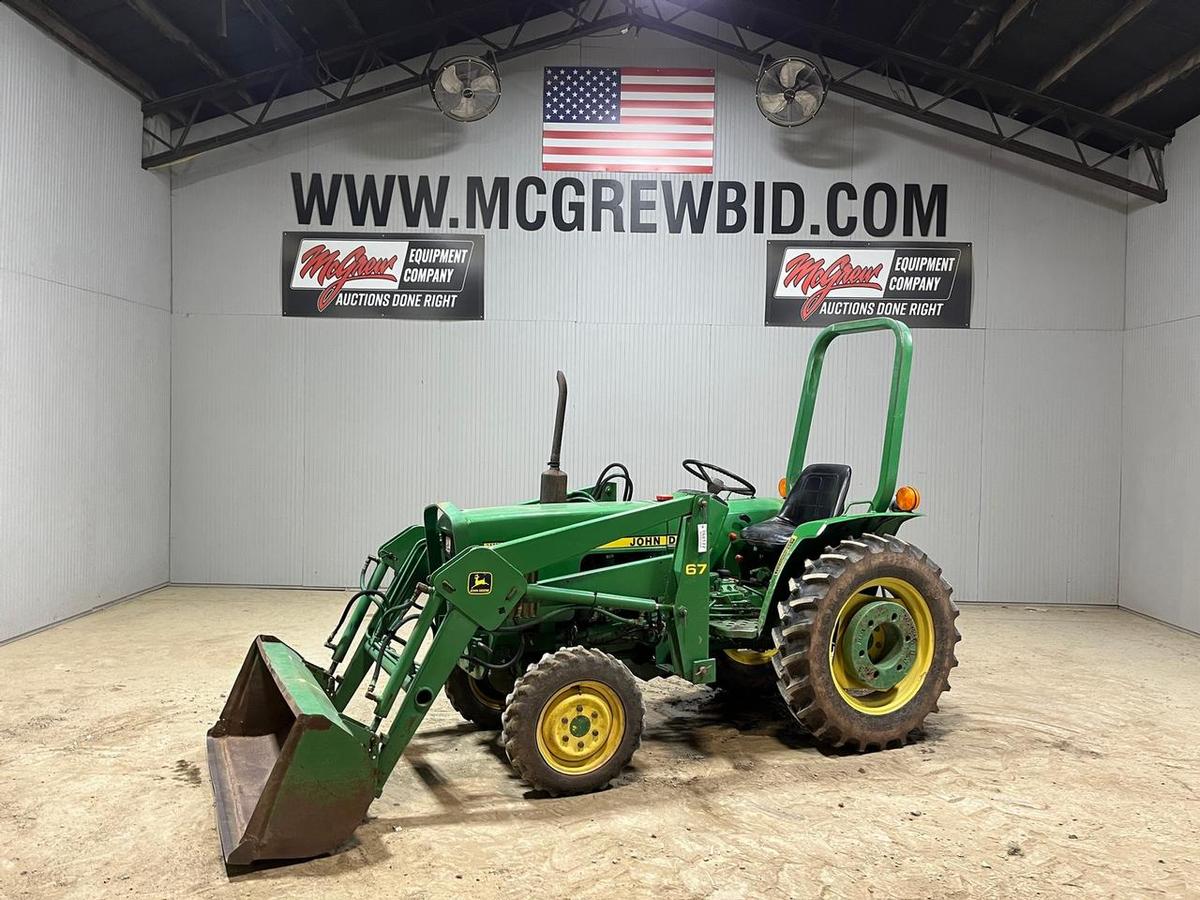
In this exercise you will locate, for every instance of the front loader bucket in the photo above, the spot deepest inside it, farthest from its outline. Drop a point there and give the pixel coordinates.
(291, 777)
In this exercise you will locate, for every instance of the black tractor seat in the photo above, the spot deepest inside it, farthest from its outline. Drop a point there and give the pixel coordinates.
(819, 493)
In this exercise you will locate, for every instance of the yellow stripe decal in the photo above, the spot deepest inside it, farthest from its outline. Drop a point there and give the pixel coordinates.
(634, 542)
(641, 541)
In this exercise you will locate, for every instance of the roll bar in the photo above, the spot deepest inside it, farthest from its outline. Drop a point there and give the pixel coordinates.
(893, 435)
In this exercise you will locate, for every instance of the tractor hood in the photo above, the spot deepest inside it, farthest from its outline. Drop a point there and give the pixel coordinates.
(451, 530)
(497, 524)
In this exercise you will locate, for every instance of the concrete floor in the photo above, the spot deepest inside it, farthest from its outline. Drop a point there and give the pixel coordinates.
(1065, 762)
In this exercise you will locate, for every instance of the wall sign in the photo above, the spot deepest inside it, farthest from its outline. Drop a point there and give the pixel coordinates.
(646, 205)
(815, 283)
(395, 276)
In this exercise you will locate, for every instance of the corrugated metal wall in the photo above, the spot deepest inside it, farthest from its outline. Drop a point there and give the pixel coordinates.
(84, 339)
(1161, 428)
(299, 445)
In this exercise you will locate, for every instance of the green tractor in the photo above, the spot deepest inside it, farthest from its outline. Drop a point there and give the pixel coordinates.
(538, 618)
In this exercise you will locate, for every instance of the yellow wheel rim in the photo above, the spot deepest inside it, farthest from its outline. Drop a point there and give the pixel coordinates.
(581, 727)
(859, 695)
(486, 699)
(751, 657)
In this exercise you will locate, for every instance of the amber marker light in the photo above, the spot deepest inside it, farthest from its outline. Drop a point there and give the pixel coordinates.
(907, 499)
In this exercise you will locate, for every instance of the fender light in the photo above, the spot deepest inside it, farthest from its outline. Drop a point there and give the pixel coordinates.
(907, 499)
(783, 487)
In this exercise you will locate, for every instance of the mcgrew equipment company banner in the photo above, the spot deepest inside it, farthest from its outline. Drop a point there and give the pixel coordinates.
(817, 283)
(395, 276)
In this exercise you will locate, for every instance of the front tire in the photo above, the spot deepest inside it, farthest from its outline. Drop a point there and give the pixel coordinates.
(866, 643)
(476, 700)
(573, 721)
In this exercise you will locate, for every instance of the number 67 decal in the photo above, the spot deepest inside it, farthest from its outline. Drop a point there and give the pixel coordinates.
(695, 568)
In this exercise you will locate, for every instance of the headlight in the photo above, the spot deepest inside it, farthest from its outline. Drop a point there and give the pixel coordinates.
(448, 545)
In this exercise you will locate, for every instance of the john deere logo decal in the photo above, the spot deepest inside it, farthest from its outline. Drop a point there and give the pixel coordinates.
(479, 583)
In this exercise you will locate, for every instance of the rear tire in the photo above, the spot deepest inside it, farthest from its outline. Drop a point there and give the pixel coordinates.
(849, 679)
(573, 721)
(476, 700)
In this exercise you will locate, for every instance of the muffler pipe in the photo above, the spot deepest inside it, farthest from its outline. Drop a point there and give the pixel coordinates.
(554, 479)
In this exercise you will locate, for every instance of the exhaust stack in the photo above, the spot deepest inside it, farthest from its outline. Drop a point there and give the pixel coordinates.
(554, 479)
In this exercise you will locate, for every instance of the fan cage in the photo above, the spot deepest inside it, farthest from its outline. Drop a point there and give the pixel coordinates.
(486, 64)
(777, 65)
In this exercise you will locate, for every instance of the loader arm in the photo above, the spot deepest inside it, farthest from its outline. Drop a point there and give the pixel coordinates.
(478, 588)
(294, 774)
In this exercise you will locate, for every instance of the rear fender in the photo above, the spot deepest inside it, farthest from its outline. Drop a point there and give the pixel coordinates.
(811, 538)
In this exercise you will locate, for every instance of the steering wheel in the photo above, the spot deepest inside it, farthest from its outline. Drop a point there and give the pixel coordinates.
(704, 471)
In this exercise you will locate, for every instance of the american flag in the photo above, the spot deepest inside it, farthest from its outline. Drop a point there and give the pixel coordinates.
(629, 119)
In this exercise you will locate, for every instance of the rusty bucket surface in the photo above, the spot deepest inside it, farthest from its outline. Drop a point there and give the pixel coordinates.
(291, 777)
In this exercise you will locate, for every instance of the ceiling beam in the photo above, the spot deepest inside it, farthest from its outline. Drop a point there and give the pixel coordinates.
(54, 25)
(1107, 32)
(281, 37)
(322, 60)
(980, 14)
(351, 17)
(907, 29)
(1181, 68)
(988, 41)
(323, 106)
(168, 29)
(785, 31)
(781, 25)
(1138, 141)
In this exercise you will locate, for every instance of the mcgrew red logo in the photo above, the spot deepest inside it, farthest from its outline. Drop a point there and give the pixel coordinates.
(330, 266)
(817, 280)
